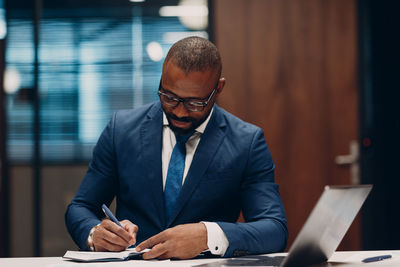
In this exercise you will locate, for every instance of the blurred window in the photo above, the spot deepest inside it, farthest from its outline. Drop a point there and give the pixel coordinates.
(93, 60)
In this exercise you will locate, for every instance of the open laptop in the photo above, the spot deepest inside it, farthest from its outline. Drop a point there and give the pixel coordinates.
(321, 234)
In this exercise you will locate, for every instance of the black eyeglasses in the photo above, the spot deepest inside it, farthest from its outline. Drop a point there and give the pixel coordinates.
(191, 104)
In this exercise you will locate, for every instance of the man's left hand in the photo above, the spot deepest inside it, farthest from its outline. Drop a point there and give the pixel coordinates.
(184, 241)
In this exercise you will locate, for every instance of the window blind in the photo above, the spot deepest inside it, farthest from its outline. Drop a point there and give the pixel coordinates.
(89, 67)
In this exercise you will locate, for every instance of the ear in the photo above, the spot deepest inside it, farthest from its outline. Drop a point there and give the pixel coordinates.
(221, 85)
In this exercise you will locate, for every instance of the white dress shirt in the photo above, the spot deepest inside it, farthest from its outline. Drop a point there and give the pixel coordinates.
(217, 241)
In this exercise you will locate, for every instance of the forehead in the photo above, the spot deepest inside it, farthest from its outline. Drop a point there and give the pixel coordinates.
(197, 84)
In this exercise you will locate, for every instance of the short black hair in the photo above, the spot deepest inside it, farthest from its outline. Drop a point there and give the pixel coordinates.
(195, 54)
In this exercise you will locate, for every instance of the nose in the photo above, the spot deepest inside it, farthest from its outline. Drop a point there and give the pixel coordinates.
(180, 111)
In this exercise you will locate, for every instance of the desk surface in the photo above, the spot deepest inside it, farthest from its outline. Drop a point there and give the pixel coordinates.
(348, 257)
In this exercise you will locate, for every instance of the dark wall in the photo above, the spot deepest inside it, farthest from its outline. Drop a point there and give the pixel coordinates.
(379, 24)
(4, 203)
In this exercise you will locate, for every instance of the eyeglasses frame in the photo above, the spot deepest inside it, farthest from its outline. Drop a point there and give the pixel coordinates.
(201, 104)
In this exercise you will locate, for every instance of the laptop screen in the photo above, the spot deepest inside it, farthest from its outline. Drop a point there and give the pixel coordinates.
(327, 224)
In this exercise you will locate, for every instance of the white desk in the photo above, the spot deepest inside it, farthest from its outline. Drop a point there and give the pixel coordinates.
(349, 257)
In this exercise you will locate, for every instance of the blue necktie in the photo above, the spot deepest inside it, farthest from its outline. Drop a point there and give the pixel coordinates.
(176, 168)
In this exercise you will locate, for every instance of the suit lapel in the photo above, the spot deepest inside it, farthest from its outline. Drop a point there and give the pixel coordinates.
(209, 143)
(151, 145)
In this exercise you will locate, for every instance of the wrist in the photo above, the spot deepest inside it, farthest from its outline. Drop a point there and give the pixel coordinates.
(204, 235)
(90, 243)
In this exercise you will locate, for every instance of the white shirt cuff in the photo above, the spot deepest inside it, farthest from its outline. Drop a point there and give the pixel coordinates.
(216, 239)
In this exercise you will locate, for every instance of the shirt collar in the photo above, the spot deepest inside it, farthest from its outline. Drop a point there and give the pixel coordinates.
(200, 129)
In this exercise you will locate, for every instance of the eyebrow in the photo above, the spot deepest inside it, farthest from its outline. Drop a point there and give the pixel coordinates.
(196, 98)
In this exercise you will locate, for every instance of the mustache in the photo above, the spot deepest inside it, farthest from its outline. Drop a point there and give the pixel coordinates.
(182, 119)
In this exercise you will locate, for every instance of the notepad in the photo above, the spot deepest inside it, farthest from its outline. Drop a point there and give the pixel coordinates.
(90, 256)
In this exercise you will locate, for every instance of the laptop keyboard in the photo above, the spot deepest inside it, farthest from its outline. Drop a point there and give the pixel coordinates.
(247, 261)
(260, 261)
(268, 261)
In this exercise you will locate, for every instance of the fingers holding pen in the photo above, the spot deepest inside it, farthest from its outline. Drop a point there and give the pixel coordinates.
(108, 236)
(132, 230)
(102, 244)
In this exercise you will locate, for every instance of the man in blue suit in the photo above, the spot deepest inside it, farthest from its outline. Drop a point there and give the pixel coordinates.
(181, 197)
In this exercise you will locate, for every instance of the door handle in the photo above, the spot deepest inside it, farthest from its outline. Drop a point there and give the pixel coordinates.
(351, 160)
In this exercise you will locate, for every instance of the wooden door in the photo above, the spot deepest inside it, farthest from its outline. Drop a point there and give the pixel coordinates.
(291, 69)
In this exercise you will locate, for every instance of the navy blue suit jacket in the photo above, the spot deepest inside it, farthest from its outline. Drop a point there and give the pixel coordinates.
(232, 170)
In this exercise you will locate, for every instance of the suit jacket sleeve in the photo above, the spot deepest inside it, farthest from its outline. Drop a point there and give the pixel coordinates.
(98, 186)
(265, 228)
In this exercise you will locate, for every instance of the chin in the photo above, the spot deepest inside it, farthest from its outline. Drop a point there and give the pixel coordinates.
(181, 131)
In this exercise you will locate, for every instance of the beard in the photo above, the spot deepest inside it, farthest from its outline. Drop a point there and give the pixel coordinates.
(195, 123)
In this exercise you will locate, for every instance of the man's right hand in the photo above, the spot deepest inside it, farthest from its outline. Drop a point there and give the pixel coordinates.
(108, 236)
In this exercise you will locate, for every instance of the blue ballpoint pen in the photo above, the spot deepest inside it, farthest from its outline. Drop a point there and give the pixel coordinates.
(111, 216)
(377, 258)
